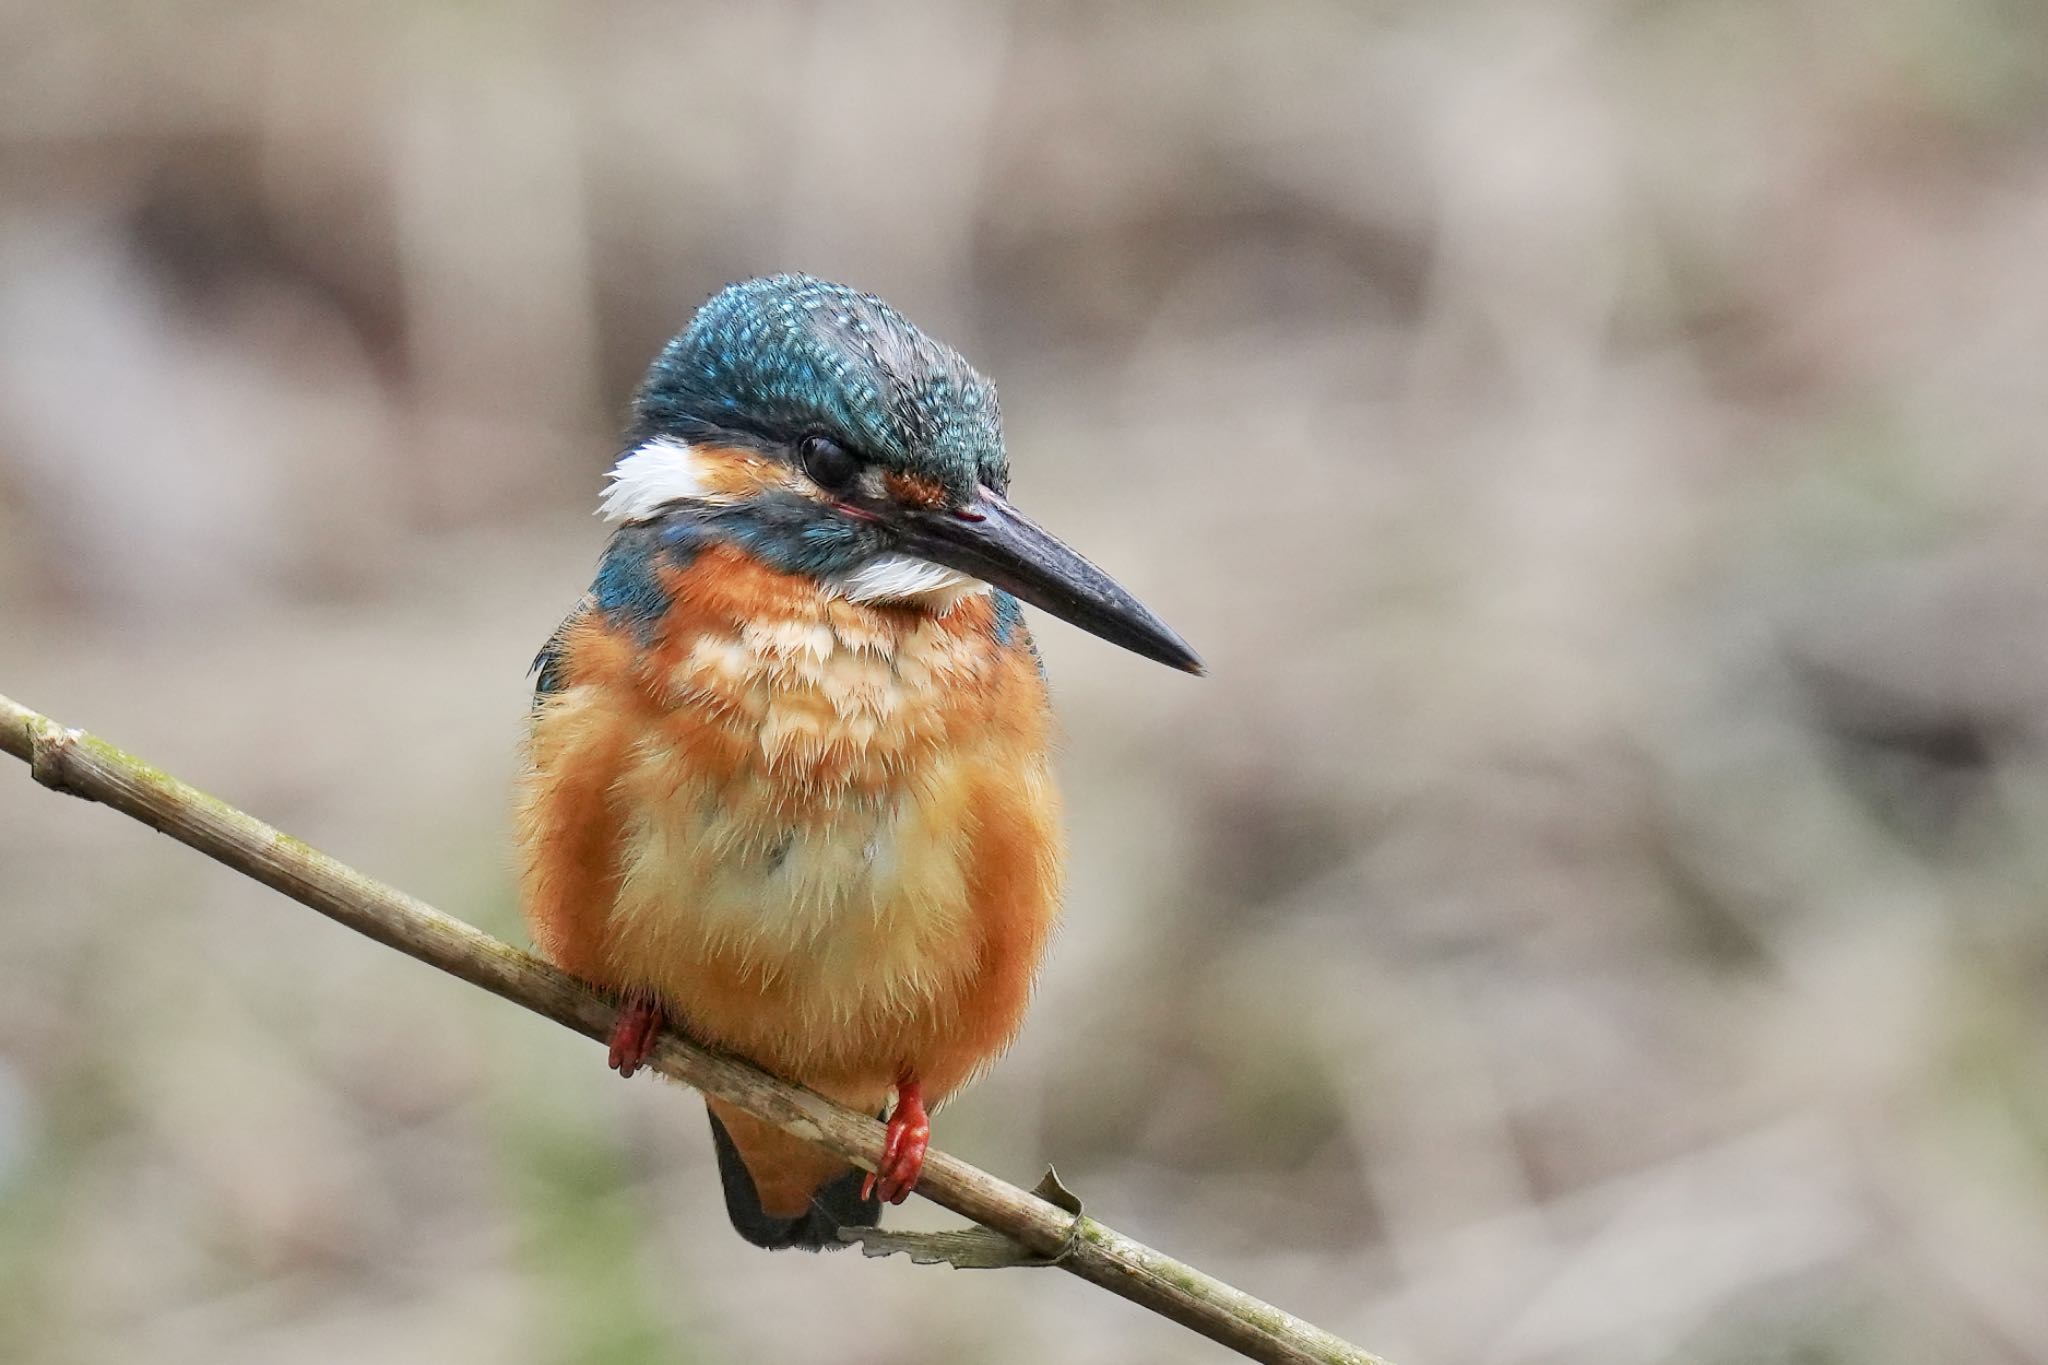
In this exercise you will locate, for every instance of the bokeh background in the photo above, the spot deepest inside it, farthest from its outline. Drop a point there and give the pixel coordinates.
(1594, 912)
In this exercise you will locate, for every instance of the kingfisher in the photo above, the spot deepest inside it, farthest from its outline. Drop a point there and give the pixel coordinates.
(788, 788)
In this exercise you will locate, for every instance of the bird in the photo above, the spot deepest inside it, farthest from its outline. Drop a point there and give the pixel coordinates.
(787, 787)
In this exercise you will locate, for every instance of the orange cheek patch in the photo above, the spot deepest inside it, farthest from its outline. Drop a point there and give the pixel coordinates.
(729, 472)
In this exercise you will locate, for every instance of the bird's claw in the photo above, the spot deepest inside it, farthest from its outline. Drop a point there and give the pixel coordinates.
(909, 1136)
(635, 1033)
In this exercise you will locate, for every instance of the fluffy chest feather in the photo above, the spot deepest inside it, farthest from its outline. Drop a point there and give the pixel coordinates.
(799, 811)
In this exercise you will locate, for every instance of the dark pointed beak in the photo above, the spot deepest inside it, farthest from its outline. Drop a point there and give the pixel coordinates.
(999, 545)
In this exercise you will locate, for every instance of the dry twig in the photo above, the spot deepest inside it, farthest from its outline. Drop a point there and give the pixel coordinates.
(74, 762)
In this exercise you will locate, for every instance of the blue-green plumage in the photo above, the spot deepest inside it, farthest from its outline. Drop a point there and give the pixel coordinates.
(629, 590)
(766, 361)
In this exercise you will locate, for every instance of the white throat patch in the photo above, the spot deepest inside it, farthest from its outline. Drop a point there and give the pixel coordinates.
(903, 578)
(659, 472)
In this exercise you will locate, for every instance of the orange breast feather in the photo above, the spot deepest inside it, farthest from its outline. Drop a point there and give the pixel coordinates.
(824, 832)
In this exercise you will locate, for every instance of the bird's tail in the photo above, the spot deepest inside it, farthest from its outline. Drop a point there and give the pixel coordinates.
(835, 1204)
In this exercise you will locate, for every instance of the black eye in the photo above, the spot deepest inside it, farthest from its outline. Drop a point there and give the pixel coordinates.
(831, 465)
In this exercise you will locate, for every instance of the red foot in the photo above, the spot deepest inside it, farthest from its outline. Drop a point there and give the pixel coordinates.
(635, 1033)
(910, 1133)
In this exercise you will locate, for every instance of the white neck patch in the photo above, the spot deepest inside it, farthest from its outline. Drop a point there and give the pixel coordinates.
(903, 578)
(659, 472)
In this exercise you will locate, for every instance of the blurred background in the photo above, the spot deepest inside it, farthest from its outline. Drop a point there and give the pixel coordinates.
(1594, 912)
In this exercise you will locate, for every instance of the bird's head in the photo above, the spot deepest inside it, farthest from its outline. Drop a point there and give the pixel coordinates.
(830, 437)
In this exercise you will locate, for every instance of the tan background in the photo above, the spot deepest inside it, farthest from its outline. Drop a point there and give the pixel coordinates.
(1593, 913)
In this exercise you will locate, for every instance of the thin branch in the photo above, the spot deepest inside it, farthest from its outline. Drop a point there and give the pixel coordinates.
(74, 762)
